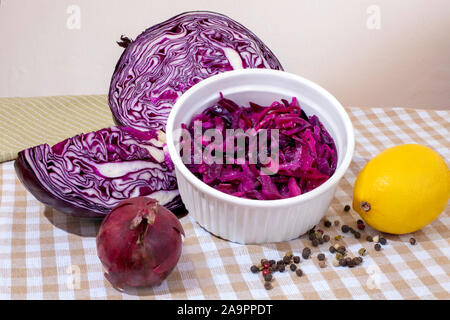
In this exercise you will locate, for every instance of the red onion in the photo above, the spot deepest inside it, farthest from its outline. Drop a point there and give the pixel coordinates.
(139, 243)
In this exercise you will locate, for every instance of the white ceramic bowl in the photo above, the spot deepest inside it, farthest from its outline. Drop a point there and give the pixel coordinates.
(258, 221)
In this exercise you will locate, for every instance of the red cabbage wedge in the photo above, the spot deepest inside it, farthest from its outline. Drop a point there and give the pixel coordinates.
(89, 174)
(170, 57)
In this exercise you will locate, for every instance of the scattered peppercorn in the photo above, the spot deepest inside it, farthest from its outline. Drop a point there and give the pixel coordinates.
(299, 272)
(347, 208)
(272, 262)
(357, 235)
(281, 268)
(332, 249)
(327, 223)
(286, 259)
(321, 256)
(280, 262)
(293, 267)
(412, 241)
(306, 253)
(352, 231)
(315, 242)
(268, 285)
(268, 277)
(369, 238)
(342, 262)
(383, 241)
(341, 250)
(358, 260)
(336, 223)
(362, 252)
(361, 226)
(377, 247)
(345, 228)
(311, 236)
(254, 269)
(296, 259)
(359, 221)
(326, 238)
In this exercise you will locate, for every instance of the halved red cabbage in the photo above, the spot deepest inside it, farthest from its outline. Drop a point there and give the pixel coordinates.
(170, 57)
(307, 153)
(89, 174)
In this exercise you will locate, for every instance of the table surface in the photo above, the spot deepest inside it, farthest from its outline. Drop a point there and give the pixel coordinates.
(45, 254)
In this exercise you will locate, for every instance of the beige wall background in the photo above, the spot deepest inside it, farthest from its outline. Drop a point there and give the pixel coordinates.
(385, 53)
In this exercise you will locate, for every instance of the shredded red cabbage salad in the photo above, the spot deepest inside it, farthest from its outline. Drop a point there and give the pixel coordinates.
(307, 155)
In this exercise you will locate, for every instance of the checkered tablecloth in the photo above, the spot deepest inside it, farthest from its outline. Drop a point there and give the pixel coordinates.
(47, 255)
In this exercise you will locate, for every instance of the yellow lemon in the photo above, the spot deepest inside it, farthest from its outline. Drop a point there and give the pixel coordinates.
(402, 189)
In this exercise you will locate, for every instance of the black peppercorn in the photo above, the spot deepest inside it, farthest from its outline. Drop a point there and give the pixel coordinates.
(286, 259)
(268, 285)
(311, 236)
(347, 208)
(315, 243)
(268, 277)
(296, 259)
(383, 241)
(281, 268)
(326, 238)
(327, 223)
(321, 257)
(293, 267)
(332, 249)
(359, 221)
(377, 247)
(254, 269)
(341, 250)
(299, 272)
(369, 238)
(357, 235)
(345, 228)
(412, 241)
(306, 253)
(342, 262)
